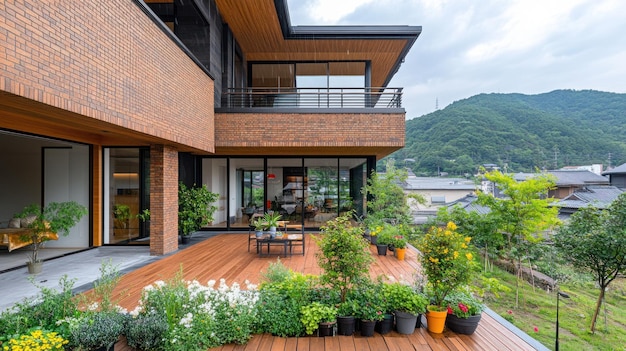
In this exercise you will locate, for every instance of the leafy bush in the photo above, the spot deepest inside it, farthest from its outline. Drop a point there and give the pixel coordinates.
(42, 311)
(97, 329)
(201, 317)
(401, 297)
(313, 314)
(147, 332)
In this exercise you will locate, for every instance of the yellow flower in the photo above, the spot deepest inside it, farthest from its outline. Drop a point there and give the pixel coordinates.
(469, 256)
(456, 254)
(451, 226)
(433, 259)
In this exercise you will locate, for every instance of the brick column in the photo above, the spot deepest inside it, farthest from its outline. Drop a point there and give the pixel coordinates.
(163, 199)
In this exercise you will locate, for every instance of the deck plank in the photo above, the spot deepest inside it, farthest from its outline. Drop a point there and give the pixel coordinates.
(226, 256)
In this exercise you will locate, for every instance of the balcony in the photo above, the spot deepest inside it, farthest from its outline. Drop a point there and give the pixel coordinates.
(312, 98)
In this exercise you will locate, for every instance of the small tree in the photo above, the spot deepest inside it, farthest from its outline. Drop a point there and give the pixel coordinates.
(343, 255)
(386, 199)
(595, 241)
(521, 215)
(194, 208)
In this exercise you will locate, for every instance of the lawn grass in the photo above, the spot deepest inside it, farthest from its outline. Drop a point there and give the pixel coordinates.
(537, 309)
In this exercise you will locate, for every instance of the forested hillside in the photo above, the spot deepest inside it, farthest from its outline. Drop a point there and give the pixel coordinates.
(521, 132)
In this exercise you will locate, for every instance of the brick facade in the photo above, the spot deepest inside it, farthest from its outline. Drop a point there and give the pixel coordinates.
(104, 62)
(163, 200)
(309, 133)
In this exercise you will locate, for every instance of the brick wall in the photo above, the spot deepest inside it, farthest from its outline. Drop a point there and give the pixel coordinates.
(105, 60)
(310, 130)
(163, 200)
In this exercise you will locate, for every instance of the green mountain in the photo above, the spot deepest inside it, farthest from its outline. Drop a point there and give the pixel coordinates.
(521, 132)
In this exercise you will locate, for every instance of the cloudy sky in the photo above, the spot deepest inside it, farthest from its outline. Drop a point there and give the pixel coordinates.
(468, 47)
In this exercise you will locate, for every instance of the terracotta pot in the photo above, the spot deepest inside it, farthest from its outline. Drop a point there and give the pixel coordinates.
(436, 321)
(400, 253)
(465, 326)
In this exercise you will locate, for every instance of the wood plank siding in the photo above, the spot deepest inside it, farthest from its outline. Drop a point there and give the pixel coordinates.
(226, 256)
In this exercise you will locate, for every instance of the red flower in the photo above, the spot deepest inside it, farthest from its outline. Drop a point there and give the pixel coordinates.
(536, 329)
(509, 312)
(450, 311)
(463, 307)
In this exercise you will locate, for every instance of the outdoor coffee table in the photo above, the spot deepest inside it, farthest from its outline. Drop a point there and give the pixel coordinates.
(266, 242)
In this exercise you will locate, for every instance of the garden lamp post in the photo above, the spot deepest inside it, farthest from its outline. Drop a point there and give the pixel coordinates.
(558, 294)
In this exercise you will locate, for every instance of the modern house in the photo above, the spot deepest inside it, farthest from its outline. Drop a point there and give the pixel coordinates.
(112, 103)
(568, 181)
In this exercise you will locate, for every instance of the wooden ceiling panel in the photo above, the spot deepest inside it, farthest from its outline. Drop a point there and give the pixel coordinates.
(256, 26)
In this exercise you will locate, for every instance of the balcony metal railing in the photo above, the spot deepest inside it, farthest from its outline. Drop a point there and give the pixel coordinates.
(313, 98)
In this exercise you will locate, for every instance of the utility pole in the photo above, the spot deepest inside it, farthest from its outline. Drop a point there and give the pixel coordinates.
(556, 157)
(609, 166)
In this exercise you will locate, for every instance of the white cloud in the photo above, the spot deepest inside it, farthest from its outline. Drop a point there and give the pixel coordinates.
(469, 47)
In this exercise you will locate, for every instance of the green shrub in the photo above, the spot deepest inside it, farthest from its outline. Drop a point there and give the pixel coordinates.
(42, 311)
(313, 314)
(97, 329)
(146, 332)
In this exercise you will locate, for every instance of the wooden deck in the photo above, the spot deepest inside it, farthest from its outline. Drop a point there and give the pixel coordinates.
(226, 256)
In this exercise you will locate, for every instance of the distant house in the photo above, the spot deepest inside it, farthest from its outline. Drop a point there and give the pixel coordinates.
(617, 176)
(599, 196)
(568, 181)
(439, 191)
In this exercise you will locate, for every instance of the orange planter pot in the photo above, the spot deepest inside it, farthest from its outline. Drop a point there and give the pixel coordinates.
(436, 321)
(400, 253)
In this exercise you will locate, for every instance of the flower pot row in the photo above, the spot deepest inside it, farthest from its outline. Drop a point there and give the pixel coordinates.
(404, 323)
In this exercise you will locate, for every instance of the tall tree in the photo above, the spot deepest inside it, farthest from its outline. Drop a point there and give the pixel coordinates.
(521, 215)
(595, 241)
(386, 197)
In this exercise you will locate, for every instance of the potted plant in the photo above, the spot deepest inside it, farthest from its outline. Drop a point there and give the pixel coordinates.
(374, 231)
(271, 221)
(399, 244)
(56, 218)
(194, 209)
(37, 339)
(385, 237)
(346, 313)
(343, 255)
(317, 316)
(407, 305)
(448, 264)
(121, 213)
(259, 225)
(464, 312)
(371, 305)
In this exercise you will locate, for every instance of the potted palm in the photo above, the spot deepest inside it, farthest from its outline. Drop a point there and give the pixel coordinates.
(194, 209)
(259, 225)
(45, 223)
(271, 221)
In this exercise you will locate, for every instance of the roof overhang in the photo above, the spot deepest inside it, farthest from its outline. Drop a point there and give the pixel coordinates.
(264, 33)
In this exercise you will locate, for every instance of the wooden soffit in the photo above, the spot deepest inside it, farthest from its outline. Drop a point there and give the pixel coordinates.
(263, 31)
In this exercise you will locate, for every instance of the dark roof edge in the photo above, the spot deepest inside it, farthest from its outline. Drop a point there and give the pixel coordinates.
(404, 32)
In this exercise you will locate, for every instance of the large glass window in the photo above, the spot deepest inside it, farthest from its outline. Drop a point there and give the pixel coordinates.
(309, 191)
(126, 192)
